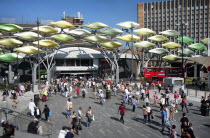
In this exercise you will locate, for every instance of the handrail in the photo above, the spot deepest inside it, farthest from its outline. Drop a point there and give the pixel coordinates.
(4, 109)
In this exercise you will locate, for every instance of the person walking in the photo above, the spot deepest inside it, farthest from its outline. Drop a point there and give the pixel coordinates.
(101, 97)
(162, 102)
(134, 103)
(80, 115)
(74, 120)
(69, 106)
(149, 111)
(77, 92)
(145, 114)
(142, 94)
(184, 103)
(163, 118)
(122, 110)
(148, 93)
(37, 113)
(176, 97)
(155, 97)
(46, 112)
(89, 115)
(31, 107)
(167, 98)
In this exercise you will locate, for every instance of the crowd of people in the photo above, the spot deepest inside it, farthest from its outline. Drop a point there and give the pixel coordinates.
(136, 95)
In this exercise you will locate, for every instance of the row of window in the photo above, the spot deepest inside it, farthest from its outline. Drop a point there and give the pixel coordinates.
(74, 62)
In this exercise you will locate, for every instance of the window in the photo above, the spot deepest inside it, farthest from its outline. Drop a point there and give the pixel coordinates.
(157, 79)
(85, 62)
(77, 62)
(70, 62)
(59, 62)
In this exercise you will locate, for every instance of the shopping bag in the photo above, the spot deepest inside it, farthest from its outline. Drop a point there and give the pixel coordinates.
(93, 118)
(50, 113)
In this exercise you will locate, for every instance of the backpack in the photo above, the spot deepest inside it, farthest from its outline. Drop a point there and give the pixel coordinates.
(70, 106)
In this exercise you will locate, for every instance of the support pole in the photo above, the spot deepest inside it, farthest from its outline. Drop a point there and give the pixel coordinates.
(195, 70)
(209, 80)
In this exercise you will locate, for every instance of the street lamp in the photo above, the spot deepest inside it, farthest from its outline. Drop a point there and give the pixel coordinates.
(182, 34)
(38, 23)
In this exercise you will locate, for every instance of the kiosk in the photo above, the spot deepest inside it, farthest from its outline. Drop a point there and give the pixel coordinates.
(174, 82)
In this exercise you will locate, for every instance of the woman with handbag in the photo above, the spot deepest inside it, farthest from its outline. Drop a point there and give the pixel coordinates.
(89, 115)
(145, 113)
(74, 121)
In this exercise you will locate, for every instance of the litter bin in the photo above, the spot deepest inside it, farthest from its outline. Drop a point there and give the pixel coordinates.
(204, 110)
(36, 99)
(108, 94)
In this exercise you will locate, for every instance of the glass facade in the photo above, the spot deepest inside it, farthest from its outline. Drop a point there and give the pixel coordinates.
(74, 62)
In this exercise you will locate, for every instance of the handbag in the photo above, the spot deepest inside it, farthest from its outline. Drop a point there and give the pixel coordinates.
(152, 116)
(50, 113)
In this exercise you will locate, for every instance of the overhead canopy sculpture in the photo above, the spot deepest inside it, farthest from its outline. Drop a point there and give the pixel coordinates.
(63, 37)
(159, 51)
(28, 50)
(112, 31)
(128, 25)
(171, 45)
(170, 33)
(79, 32)
(10, 57)
(28, 36)
(10, 42)
(158, 38)
(197, 46)
(96, 25)
(46, 29)
(206, 41)
(186, 52)
(95, 38)
(171, 58)
(10, 28)
(128, 38)
(46, 43)
(62, 24)
(144, 44)
(186, 39)
(144, 31)
(111, 44)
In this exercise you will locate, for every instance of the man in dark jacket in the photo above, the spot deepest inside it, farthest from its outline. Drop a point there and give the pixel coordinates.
(33, 127)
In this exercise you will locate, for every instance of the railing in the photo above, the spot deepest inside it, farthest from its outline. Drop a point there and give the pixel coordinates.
(21, 121)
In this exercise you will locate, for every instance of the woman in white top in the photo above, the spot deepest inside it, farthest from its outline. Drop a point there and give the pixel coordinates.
(89, 115)
(149, 111)
(69, 106)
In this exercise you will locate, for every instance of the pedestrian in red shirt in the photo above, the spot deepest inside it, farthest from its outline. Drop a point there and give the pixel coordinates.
(77, 91)
(147, 93)
(121, 110)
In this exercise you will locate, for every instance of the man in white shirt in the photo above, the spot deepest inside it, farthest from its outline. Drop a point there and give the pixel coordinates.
(138, 97)
(142, 93)
(31, 107)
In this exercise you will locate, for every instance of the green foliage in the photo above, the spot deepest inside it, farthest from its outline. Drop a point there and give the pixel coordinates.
(3, 86)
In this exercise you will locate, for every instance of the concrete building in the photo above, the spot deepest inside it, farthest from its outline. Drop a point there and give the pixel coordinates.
(167, 14)
(164, 15)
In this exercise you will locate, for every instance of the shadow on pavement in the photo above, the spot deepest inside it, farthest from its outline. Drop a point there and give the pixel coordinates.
(138, 119)
(63, 113)
(83, 123)
(97, 103)
(115, 118)
(207, 125)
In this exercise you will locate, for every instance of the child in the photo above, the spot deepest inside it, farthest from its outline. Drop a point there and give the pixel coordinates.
(173, 132)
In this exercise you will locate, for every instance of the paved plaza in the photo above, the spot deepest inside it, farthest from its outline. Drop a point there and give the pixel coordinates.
(107, 123)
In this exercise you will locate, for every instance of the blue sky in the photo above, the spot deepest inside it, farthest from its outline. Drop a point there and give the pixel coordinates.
(109, 12)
